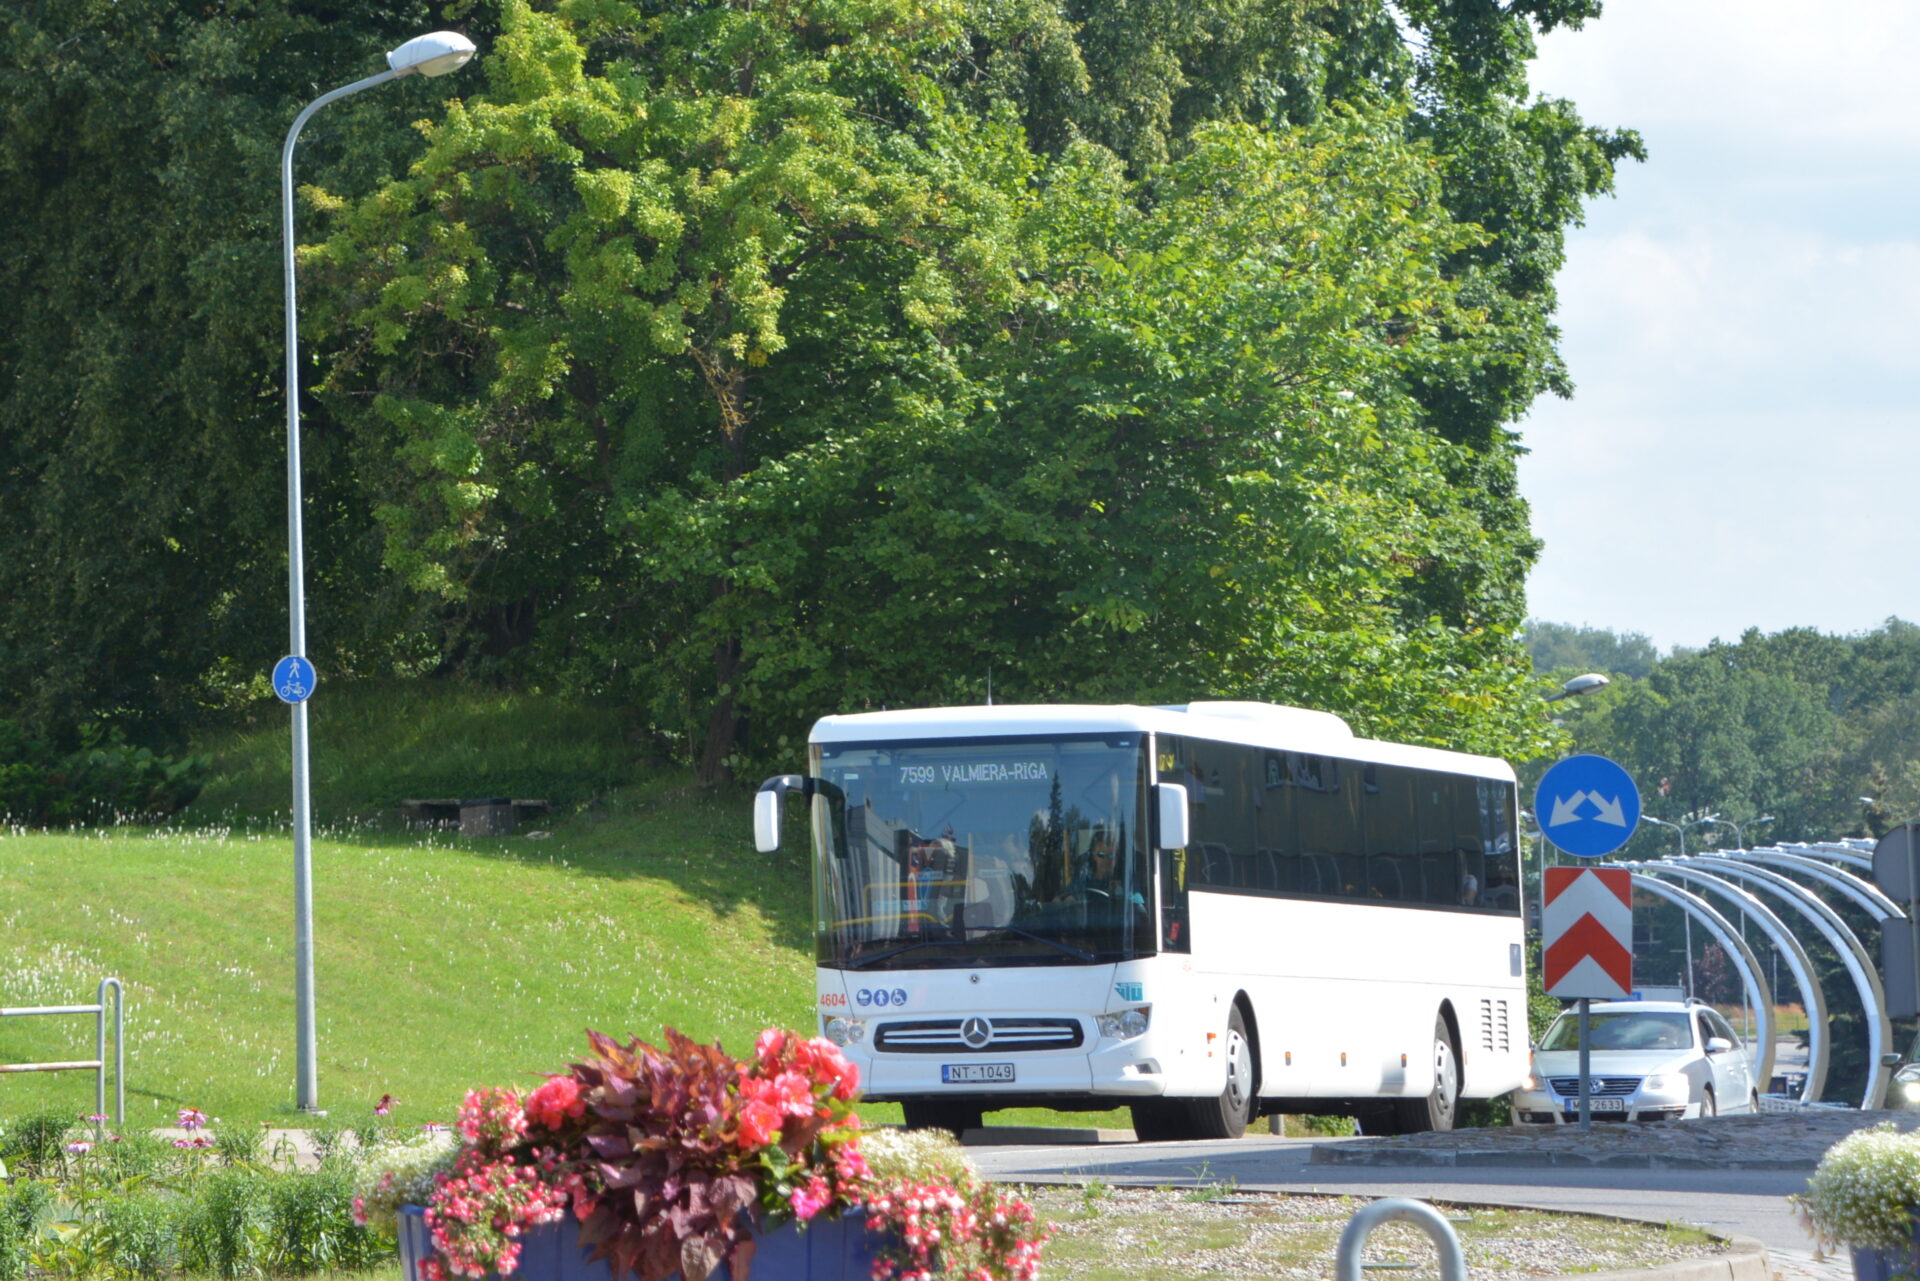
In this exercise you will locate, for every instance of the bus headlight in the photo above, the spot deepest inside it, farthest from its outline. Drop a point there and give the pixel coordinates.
(1123, 1025)
(843, 1031)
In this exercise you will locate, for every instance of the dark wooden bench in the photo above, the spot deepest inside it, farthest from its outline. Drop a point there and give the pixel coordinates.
(474, 815)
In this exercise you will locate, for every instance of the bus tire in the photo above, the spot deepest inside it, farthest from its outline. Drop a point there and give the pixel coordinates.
(1436, 1109)
(1226, 1117)
(955, 1116)
(1161, 1120)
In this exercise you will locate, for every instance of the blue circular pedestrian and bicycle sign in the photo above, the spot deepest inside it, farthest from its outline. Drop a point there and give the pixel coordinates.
(294, 679)
(1587, 805)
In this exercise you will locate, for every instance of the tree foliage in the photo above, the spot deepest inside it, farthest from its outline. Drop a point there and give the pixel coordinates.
(1799, 724)
(740, 362)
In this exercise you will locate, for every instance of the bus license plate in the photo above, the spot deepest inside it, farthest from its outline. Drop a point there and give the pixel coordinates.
(1598, 1105)
(967, 1073)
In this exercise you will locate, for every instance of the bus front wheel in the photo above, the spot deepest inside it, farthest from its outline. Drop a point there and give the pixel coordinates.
(956, 1116)
(1226, 1117)
(1223, 1116)
(1434, 1111)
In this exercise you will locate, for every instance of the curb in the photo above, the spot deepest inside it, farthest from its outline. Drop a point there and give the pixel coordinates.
(1351, 1154)
(1040, 1136)
(1745, 1260)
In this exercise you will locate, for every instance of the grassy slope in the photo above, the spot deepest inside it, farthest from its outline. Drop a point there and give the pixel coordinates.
(441, 962)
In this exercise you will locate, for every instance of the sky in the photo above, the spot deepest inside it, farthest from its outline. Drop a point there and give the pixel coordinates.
(1742, 323)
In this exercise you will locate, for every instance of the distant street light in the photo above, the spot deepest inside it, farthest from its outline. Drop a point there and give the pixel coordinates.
(1580, 685)
(429, 55)
(1739, 836)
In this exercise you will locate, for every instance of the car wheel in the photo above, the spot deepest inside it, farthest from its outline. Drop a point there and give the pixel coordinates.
(1435, 1111)
(1708, 1107)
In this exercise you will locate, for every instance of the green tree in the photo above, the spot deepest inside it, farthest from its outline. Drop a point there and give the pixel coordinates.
(1561, 647)
(868, 404)
(142, 511)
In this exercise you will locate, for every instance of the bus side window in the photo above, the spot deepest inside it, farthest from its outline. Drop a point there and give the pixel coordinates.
(1502, 883)
(1393, 867)
(1469, 857)
(1433, 820)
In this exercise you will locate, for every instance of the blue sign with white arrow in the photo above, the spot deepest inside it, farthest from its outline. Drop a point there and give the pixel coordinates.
(1587, 806)
(294, 679)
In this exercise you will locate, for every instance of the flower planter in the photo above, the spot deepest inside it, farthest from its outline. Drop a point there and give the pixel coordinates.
(1886, 1265)
(827, 1250)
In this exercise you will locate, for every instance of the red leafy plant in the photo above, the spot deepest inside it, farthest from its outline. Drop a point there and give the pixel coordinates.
(669, 1157)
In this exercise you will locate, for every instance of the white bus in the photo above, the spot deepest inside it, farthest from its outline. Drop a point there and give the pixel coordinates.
(1207, 913)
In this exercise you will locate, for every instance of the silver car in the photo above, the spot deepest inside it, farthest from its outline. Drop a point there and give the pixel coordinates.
(1649, 1061)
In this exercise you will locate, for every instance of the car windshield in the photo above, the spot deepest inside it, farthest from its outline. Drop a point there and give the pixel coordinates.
(982, 852)
(1627, 1030)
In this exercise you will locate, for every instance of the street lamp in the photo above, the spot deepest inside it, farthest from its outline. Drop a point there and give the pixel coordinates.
(1579, 685)
(429, 55)
(1739, 836)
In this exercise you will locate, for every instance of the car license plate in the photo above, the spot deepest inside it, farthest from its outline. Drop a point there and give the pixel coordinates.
(968, 1073)
(1597, 1105)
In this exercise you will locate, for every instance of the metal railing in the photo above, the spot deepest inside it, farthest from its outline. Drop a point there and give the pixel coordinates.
(98, 1063)
(1346, 1255)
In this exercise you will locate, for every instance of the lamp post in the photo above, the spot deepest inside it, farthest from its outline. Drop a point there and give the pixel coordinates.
(429, 55)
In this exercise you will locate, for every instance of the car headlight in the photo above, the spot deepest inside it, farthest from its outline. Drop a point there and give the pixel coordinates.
(845, 1031)
(1123, 1025)
(1664, 1082)
(1530, 1083)
(1911, 1072)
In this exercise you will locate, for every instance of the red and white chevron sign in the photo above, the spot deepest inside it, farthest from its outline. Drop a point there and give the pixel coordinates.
(1587, 929)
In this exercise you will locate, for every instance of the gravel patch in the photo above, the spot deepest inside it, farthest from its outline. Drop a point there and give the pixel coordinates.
(1106, 1233)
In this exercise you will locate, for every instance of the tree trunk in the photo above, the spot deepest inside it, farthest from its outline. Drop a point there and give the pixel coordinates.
(727, 381)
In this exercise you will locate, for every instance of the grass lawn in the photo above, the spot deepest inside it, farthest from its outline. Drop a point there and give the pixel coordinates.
(440, 962)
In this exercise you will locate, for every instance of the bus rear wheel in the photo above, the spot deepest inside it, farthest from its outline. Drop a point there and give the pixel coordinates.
(1436, 1110)
(955, 1116)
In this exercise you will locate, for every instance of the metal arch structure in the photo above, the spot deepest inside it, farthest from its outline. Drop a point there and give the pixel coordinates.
(1869, 896)
(1839, 851)
(1854, 956)
(1736, 947)
(1799, 964)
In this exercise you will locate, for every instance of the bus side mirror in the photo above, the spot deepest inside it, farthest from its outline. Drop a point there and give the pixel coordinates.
(1172, 799)
(766, 810)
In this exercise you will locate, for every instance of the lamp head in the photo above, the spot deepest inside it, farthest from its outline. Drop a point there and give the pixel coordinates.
(1580, 685)
(434, 54)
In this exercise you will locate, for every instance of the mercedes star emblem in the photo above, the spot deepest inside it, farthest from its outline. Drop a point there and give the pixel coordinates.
(976, 1032)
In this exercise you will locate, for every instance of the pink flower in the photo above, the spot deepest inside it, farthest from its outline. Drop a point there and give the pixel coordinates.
(80, 1147)
(811, 1199)
(759, 1123)
(556, 1102)
(384, 1106)
(192, 1119)
(794, 1093)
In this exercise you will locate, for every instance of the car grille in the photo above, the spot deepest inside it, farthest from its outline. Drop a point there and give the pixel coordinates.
(942, 1036)
(1604, 1087)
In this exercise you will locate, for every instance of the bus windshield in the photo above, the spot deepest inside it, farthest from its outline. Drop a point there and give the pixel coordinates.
(982, 852)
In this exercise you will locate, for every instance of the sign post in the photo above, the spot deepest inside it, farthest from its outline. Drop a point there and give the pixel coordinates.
(1587, 806)
(1896, 869)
